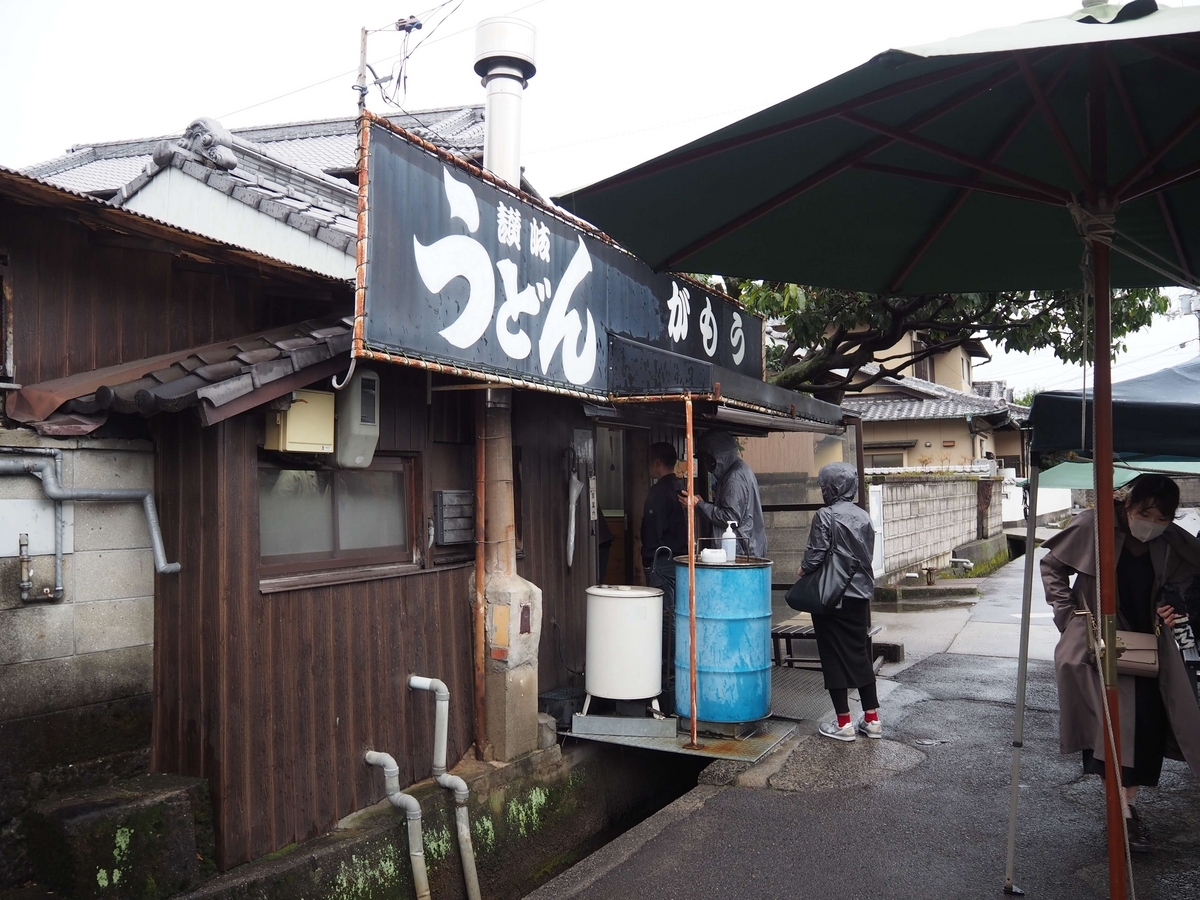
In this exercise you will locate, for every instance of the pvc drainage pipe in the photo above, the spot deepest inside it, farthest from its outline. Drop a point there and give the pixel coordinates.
(412, 812)
(53, 489)
(462, 821)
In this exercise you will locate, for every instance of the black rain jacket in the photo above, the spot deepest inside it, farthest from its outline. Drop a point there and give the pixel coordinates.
(844, 525)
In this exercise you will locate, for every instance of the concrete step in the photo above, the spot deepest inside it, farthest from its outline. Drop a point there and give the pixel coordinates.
(149, 836)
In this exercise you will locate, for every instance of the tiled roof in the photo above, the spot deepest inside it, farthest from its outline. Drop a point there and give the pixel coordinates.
(325, 145)
(916, 398)
(305, 198)
(993, 390)
(211, 377)
(40, 192)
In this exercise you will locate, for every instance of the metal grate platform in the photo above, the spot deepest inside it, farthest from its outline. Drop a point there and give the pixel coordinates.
(748, 749)
(799, 694)
(796, 694)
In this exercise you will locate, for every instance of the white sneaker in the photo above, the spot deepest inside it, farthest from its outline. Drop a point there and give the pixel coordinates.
(837, 732)
(873, 730)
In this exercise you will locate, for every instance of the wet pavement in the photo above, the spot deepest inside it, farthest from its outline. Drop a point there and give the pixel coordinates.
(923, 812)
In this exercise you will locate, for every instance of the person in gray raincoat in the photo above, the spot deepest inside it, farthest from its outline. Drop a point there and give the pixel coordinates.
(843, 528)
(735, 498)
(1156, 561)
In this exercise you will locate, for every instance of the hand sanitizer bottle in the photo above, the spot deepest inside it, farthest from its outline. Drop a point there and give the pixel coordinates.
(729, 543)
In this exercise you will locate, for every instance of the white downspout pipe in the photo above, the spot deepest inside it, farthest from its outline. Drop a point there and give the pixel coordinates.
(412, 811)
(441, 722)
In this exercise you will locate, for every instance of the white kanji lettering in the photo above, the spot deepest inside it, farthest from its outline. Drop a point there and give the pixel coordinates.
(681, 308)
(708, 327)
(459, 256)
(539, 240)
(528, 301)
(563, 325)
(508, 226)
(737, 340)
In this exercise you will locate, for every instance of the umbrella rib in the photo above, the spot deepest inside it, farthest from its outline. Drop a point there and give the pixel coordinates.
(834, 168)
(689, 156)
(1180, 59)
(1054, 193)
(1002, 145)
(1162, 182)
(1056, 129)
(987, 187)
(1164, 206)
(1147, 163)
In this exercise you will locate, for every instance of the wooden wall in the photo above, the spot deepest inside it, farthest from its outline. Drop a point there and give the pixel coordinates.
(80, 303)
(275, 697)
(543, 427)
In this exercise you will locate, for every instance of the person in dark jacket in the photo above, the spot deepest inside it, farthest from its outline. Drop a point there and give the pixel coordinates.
(664, 522)
(735, 498)
(844, 529)
(664, 536)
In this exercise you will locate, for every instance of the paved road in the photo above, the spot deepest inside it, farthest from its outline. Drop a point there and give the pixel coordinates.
(922, 813)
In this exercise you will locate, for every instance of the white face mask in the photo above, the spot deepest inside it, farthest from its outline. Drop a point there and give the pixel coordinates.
(1145, 530)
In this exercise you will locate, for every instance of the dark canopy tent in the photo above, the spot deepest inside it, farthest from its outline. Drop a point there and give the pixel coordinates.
(1155, 414)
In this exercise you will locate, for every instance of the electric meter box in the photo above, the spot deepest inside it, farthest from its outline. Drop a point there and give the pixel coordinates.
(305, 427)
(358, 421)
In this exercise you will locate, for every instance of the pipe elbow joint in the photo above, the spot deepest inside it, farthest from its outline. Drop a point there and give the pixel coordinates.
(454, 783)
(436, 685)
(385, 761)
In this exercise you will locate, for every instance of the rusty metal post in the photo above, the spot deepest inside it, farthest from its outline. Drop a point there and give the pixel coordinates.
(691, 551)
(480, 607)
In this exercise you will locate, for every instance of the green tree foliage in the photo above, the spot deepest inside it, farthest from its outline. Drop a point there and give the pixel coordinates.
(824, 332)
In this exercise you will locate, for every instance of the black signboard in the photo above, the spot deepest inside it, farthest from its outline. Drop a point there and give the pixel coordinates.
(459, 271)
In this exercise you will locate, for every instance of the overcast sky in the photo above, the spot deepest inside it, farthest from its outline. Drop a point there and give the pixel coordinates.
(618, 81)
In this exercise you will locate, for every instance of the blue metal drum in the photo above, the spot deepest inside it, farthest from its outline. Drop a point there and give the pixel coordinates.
(733, 640)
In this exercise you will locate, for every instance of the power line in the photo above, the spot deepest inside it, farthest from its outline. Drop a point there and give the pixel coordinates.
(351, 72)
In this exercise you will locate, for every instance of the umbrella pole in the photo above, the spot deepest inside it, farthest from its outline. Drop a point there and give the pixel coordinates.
(691, 524)
(1022, 668)
(1107, 570)
(1102, 445)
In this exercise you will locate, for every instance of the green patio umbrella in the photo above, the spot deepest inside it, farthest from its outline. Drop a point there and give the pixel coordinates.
(1029, 157)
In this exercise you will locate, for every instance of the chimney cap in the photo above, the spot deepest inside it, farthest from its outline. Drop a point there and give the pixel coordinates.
(505, 41)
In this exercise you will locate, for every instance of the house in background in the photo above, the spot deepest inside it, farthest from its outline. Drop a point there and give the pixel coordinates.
(911, 422)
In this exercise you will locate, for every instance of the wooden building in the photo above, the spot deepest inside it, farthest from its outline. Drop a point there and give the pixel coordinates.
(283, 645)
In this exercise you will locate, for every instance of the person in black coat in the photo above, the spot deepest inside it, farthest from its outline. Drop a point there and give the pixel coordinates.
(843, 528)
(664, 536)
(664, 522)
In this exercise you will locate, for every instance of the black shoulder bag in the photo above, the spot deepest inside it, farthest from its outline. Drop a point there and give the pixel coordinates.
(822, 591)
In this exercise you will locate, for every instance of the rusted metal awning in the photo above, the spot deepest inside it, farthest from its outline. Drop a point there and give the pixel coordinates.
(220, 379)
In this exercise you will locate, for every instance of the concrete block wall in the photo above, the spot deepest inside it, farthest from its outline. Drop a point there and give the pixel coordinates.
(787, 532)
(76, 675)
(927, 516)
(1189, 493)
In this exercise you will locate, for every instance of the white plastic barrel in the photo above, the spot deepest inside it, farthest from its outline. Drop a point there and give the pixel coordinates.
(624, 642)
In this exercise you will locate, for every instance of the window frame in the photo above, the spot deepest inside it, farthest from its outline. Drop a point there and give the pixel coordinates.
(330, 569)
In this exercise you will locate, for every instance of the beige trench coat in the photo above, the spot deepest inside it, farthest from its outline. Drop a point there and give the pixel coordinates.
(1176, 559)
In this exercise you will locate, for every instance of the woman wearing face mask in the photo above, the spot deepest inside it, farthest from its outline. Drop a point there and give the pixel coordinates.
(1156, 561)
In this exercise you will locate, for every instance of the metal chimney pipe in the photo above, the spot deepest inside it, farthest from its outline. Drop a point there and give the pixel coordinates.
(504, 59)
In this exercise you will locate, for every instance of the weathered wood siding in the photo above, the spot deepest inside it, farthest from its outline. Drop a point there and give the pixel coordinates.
(275, 697)
(80, 303)
(543, 428)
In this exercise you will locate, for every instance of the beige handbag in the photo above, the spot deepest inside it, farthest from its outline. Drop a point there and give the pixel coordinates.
(1137, 654)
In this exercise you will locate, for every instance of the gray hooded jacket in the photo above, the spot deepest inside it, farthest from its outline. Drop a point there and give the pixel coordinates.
(845, 526)
(736, 496)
